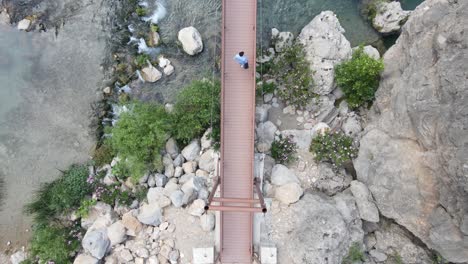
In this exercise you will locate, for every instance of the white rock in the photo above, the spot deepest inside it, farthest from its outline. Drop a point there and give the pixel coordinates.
(325, 46)
(125, 255)
(274, 33)
(150, 214)
(261, 113)
(189, 167)
(132, 224)
(101, 211)
(197, 208)
(351, 126)
(153, 260)
(116, 233)
(163, 62)
(85, 259)
(18, 257)
(191, 151)
(178, 172)
(177, 198)
(24, 24)
(206, 140)
(4, 17)
(389, 17)
(206, 161)
(369, 50)
(207, 222)
(142, 252)
(378, 256)
(150, 74)
(171, 148)
(320, 129)
(283, 40)
(289, 193)
(96, 243)
(191, 40)
(168, 70)
(281, 175)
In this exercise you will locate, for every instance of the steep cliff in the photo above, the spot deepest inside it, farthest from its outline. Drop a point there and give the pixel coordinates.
(414, 154)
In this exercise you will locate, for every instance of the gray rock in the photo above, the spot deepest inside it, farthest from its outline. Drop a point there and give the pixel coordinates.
(266, 135)
(185, 178)
(4, 17)
(413, 154)
(389, 17)
(189, 196)
(178, 172)
(197, 208)
(325, 46)
(289, 193)
(302, 138)
(318, 217)
(261, 113)
(378, 256)
(207, 222)
(169, 170)
(142, 252)
(132, 224)
(170, 188)
(283, 40)
(151, 181)
(150, 214)
(207, 161)
(367, 209)
(24, 24)
(178, 161)
(189, 167)
(196, 183)
(116, 233)
(281, 175)
(96, 243)
(160, 179)
(177, 198)
(203, 194)
(18, 257)
(172, 148)
(351, 126)
(81, 259)
(323, 178)
(191, 40)
(174, 256)
(150, 73)
(126, 256)
(191, 151)
(100, 211)
(206, 140)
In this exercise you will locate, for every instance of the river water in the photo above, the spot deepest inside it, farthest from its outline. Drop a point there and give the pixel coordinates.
(47, 84)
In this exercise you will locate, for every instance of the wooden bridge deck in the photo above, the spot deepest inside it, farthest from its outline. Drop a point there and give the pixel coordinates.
(237, 127)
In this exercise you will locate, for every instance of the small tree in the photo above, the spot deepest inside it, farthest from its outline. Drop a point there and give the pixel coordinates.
(197, 108)
(359, 78)
(294, 75)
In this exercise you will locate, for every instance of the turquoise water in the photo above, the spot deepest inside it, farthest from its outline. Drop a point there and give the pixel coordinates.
(410, 4)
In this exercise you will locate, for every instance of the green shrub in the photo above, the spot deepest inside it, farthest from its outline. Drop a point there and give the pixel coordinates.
(86, 204)
(196, 107)
(294, 75)
(141, 60)
(60, 195)
(103, 155)
(355, 254)
(139, 135)
(55, 244)
(141, 11)
(113, 194)
(283, 150)
(359, 78)
(336, 148)
(265, 88)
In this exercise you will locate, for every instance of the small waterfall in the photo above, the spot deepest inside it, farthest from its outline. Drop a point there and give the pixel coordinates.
(158, 14)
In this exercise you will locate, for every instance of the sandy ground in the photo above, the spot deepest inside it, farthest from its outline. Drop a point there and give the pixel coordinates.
(50, 128)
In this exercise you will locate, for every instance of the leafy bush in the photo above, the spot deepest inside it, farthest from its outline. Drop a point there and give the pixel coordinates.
(141, 11)
(141, 60)
(265, 88)
(196, 107)
(139, 135)
(355, 254)
(283, 150)
(359, 78)
(336, 148)
(294, 75)
(60, 195)
(103, 155)
(86, 204)
(113, 194)
(55, 244)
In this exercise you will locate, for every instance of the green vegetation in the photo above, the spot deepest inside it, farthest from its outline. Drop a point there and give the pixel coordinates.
(103, 155)
(438, 259)
(60, 196)
(86, 204)
(197, 107)
(54, 244)
(283, 150)
(141, 11)
(397, 258)
(294, 76)
(336, 148)
(114, 195)
(154, 28)
(359, 78)
(141, 60)
(354, 254)
(139, 135)
(370, 10)
(265, 88)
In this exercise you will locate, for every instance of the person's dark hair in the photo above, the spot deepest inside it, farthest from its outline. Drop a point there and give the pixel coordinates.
(241, 53)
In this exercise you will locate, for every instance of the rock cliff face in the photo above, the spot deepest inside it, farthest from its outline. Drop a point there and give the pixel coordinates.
(414, 155)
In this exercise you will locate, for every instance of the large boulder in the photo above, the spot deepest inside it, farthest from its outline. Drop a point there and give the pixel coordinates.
(322, 177)
(85, 259)
(191, 151)
(101, 211)
(389, 17)
(191, 40)
(323, 229)
(116, 233)
(413, 156)
(150, 74)
(325, 46)
(207, 161)
(150, 214)
(96, 243)
(266, 135)
(281, 175)
(289, 193)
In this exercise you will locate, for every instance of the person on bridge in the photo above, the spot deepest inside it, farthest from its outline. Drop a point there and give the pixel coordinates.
(242, 60)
